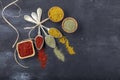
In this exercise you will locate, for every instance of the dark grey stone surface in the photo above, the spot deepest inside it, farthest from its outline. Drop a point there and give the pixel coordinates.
(97, 42)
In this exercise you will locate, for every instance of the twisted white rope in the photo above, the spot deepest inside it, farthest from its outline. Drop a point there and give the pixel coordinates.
(17, 60)
(10, 24)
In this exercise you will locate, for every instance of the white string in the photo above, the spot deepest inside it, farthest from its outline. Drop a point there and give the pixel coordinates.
(29, 34)
(19, 12)
(10, 24)
(31, 31)
(17, 60)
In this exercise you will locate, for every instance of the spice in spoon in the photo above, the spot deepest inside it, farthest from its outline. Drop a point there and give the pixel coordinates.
(39, 41)
(50, 41)
(53, 32)
(62, 39)
(25, 48)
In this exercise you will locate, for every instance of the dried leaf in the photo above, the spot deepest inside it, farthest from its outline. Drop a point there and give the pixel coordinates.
(59, 54)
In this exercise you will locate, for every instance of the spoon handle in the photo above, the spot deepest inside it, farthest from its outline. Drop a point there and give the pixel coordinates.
(43, 21)
(39, 32)
(44, 31)
(46, 28)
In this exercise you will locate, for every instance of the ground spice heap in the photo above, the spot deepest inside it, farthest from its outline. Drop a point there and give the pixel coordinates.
(69, 48)
(42, 57)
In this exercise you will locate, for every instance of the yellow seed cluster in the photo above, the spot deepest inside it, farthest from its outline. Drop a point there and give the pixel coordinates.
(55, 14)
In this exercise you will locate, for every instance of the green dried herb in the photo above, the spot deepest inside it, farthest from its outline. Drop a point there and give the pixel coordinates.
(59, 54)
(50, 41)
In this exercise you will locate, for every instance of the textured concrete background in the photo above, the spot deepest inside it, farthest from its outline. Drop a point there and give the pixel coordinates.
(97, 42)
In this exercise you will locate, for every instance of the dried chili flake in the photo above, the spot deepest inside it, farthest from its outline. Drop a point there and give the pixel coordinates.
(39, 40)
(25, 49)
(42, 57)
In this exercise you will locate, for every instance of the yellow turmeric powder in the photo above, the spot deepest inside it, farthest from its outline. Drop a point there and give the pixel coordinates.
(55, 33)
(55, 14)
(62, 39)
(69, 48)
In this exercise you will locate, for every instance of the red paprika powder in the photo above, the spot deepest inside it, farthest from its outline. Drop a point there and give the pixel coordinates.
(42, 57)
(25, 49)
(39, 40)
